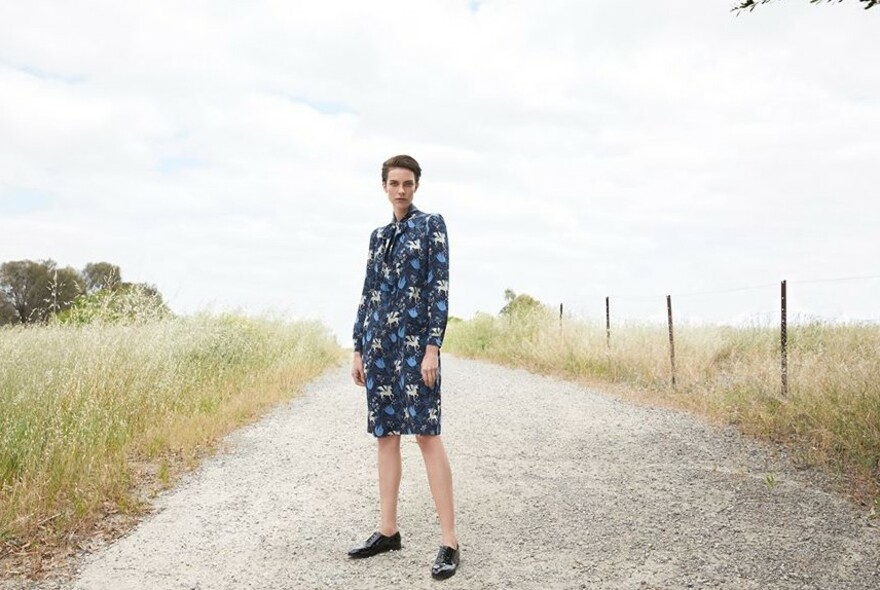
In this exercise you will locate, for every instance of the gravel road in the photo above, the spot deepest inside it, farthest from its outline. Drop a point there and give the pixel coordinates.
(557, 486)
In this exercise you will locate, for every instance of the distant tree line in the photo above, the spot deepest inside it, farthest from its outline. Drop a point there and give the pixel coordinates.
(751, 4)
(35, 291)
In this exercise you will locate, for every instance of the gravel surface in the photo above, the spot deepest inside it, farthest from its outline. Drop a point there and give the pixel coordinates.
(556, 486)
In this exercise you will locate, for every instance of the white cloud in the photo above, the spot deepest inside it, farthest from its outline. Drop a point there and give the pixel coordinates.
(229, 152)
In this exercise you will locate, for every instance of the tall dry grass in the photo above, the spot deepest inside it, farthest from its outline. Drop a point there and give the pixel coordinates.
(84, 407)
(830, 417)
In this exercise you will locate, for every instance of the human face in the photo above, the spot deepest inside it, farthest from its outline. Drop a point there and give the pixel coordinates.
(400, 186)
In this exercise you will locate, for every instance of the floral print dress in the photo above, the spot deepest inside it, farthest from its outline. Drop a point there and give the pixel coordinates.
(403, 308)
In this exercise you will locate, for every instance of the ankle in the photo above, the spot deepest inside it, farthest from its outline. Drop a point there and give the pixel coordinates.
(388, 531)
(450, 542)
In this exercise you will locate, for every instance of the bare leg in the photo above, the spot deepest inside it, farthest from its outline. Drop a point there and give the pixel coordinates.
(389, 483)
(440, 482)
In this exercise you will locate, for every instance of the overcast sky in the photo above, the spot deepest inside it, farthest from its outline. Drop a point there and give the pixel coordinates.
(229, 152)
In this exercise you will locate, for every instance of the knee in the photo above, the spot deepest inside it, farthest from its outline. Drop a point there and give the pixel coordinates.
(427, 442)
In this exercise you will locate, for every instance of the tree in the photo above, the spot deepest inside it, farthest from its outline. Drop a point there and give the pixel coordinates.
(36, 290)
(24, 284)
(101, 275)
(65, 285)
(8, 315)
(519, 304)
(750, 4)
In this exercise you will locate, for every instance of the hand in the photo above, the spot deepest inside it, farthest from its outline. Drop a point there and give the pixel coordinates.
(430, 365)
(357, 369)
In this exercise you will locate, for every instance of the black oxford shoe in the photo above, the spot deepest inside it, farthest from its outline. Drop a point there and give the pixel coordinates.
(446, 562)
(376, 544)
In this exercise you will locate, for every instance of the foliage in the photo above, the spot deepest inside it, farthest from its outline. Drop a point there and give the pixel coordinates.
(751, 4)
(36, 290)
(130, 303)
(518, 305)
(101, 275)
(8, 315)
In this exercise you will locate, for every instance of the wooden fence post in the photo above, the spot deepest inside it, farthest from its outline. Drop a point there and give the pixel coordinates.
(560, 314)
(671, 340)
(608, 322)
(784, 341)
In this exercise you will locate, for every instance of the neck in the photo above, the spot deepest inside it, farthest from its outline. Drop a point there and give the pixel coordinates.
(401, 213)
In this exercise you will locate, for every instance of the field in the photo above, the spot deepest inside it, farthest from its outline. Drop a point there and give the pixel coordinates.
(90, 413)
(830, 416)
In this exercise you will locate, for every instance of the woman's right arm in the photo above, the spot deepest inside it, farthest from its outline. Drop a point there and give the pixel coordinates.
(358, 332)
(357, 363)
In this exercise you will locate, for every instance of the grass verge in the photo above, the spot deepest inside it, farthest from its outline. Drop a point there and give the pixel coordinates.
(87, 412)
(830, 417)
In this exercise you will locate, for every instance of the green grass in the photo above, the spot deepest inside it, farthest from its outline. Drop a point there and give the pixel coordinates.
(830, 417)
(86, 409)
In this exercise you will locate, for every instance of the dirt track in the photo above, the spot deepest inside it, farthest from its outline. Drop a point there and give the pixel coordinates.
(556, 486)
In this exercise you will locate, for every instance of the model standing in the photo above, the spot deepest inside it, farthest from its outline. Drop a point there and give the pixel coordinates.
(398, 333)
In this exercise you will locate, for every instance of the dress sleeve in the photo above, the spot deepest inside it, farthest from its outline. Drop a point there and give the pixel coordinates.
(358, 332)
(438, 279)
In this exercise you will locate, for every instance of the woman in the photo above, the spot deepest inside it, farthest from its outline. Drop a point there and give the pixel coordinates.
(399, 329)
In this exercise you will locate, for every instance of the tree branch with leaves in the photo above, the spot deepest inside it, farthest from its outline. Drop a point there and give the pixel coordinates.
(751, 4)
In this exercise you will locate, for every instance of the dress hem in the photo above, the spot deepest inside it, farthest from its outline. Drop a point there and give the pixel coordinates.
(437, 433)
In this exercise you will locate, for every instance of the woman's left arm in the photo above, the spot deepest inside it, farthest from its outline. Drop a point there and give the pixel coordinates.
(437, 295)
(438, 280)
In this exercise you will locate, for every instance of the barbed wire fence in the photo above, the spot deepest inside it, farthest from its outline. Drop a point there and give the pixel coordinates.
(783, 307)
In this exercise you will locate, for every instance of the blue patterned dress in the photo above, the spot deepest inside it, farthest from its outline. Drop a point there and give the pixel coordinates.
(403, 308)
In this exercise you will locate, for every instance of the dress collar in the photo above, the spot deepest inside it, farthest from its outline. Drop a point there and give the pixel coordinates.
(395, 227)
(409, 213)
(390, 232)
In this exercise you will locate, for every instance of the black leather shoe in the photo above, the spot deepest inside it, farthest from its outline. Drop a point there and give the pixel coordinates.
(376, 544)
(446, 562)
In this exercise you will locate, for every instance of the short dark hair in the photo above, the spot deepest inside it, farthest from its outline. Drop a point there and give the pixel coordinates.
(401, 161)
